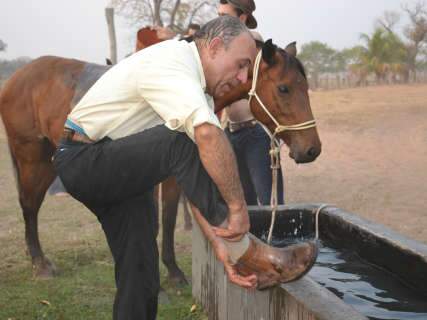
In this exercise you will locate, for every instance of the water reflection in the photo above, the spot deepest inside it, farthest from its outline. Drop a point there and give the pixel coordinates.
(371, 291)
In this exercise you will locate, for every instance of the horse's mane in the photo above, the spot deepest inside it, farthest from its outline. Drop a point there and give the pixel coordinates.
(292, 62)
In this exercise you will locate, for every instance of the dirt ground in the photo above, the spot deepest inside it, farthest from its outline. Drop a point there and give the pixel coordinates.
(373, 161)
(374, 156)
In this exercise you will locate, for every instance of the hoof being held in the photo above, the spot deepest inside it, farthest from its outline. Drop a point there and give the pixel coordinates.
(277, 265)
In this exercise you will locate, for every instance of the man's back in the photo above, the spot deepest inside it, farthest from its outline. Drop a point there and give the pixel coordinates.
(125, 99)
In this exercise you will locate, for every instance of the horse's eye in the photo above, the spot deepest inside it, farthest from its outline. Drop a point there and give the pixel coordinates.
(283, 89)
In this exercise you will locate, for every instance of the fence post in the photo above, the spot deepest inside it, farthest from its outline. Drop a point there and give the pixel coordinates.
(109, 14)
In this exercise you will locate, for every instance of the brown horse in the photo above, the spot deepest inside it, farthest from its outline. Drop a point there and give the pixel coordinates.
(34, 104)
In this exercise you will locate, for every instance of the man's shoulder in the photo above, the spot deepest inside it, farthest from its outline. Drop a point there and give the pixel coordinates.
(169, 49)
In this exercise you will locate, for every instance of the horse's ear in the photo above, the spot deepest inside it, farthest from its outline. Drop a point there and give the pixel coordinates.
(292, 49)
(269, 52)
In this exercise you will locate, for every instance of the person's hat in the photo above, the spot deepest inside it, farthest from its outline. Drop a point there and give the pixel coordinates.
(248, 7)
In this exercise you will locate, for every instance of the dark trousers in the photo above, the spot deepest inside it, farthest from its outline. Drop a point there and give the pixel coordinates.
(115, 179)
(252, 147)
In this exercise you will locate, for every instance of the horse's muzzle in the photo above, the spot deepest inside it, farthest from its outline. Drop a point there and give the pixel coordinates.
(306, 156)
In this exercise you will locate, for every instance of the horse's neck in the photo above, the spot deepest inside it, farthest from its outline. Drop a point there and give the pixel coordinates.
(90, 74)
(238, 93)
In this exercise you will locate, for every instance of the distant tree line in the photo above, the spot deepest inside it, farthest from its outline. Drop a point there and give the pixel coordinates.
(383, 55)
(8, 67)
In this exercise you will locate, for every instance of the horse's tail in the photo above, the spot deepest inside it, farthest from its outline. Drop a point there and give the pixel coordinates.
(14, 162)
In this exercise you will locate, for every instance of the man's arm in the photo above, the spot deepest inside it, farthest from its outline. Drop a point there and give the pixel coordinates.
(219, 161)
(222, 253)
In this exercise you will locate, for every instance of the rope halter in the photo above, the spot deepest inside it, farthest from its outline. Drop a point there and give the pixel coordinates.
(275, 147)
(252, 93)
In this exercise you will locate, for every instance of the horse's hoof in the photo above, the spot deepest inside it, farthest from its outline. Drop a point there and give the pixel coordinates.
(178, 280)
(44, 269)
(277, 265)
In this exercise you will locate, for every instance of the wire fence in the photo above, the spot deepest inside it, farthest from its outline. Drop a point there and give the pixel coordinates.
(342, 80)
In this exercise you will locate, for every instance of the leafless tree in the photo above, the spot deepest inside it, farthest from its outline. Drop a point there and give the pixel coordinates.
(176, 14)
(416, 32)
(389, 20)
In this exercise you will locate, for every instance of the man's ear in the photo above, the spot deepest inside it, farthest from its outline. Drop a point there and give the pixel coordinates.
(269, 52)
(215, 46)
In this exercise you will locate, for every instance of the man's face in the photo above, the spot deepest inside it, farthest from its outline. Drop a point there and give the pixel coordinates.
(229, 67)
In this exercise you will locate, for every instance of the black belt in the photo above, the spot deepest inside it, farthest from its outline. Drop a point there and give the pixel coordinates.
(236, 126)
(71, 135)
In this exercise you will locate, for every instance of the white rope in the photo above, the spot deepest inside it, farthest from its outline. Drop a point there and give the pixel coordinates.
(323, 206)
(274, 145)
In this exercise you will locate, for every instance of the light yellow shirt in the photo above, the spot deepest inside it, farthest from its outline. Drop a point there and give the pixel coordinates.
(162, 84)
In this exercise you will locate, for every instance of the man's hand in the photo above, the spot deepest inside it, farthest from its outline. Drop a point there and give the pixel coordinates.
(221, 252)
(238, 226)
(164, 33)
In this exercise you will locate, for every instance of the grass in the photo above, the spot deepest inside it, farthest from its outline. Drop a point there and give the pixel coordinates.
(84, 288)
(72, 238)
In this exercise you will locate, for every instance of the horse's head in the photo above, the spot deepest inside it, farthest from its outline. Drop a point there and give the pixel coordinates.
(281, 86)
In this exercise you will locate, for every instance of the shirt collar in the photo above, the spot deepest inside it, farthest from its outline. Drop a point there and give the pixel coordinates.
(199, 64)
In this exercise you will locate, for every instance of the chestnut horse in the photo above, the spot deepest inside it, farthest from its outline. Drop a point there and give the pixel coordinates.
(35, 101)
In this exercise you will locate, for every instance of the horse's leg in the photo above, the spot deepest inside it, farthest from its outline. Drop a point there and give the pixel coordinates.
(170, 198)
(34, 175)
(188, 225)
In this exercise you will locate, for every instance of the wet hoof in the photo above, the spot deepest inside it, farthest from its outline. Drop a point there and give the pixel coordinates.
(44, 269)
(277, 265)
(177, 279)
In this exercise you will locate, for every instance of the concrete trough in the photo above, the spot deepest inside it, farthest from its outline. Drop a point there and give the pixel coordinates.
(306, 299)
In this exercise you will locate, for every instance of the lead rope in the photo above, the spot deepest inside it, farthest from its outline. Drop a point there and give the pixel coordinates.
(274, 145)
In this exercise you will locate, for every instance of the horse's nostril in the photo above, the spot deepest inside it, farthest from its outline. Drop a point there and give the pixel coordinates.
(312, 152)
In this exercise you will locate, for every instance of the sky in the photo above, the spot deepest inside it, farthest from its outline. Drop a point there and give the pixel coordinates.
(78, 29)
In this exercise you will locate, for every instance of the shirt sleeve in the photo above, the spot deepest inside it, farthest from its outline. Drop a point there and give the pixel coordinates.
(176, 95)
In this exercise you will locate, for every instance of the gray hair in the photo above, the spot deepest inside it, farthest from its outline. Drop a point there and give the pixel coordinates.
(224, 27)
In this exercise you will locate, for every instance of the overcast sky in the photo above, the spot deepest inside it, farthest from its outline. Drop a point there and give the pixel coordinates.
(77, 28)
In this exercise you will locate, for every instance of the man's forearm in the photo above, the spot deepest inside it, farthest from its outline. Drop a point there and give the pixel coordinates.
(219, 161)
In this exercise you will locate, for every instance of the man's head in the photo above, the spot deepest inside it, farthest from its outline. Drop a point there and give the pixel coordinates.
(227, 51)
(242, 9)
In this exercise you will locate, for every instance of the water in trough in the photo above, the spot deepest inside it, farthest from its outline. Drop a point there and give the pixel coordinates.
(373, 292)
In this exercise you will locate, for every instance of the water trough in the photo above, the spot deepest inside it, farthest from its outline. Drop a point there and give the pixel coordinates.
(364, 271)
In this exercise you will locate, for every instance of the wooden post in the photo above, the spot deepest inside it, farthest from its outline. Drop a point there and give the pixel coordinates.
(109, 14)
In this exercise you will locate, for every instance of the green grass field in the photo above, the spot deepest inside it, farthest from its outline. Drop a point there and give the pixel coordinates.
(72, 238)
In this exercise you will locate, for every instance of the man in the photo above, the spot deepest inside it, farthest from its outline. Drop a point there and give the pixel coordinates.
(250, 142)
(115, 151)
(150, 117)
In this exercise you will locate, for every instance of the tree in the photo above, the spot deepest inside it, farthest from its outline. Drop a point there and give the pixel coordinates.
(388, 21)
(317, 57)
(416, 33)
(3, 45)
(382, 50)
(177, 14)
